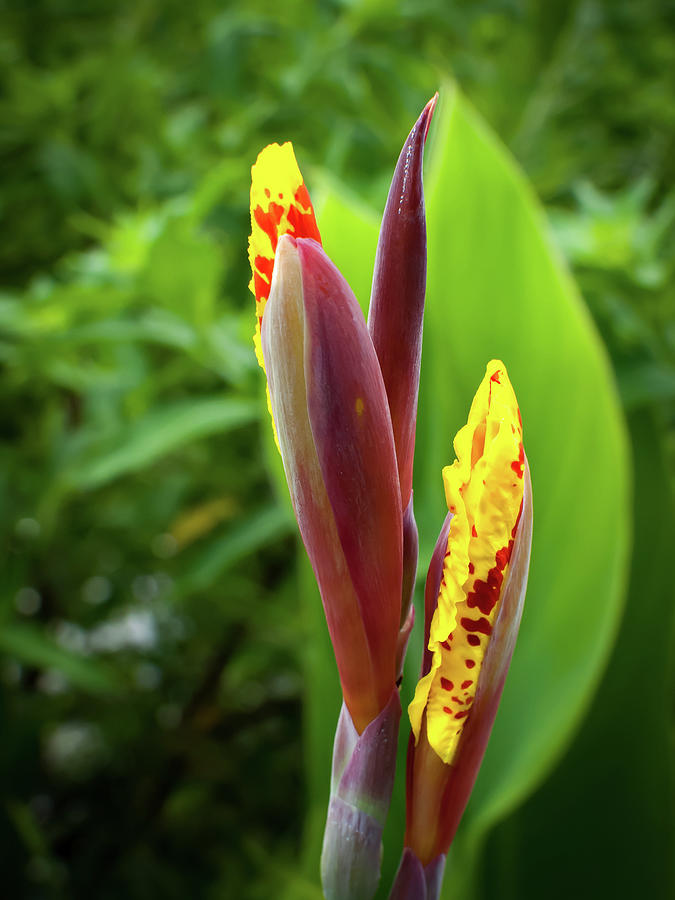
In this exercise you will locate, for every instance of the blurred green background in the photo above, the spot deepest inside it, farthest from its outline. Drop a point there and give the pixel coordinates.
(166, 689)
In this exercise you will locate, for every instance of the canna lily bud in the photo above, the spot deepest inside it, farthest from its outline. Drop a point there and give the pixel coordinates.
(334, 432)
(473, 604)
(397, 298)
(395, 324)
(332, 411)
(335, 437)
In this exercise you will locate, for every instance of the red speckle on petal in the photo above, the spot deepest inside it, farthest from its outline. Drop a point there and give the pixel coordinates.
(303, 223)
(472, 568)
(462, 713)
(473, 639)
(482, 625)
(262, 276)
(446, 684)
(495, 377)
(265, 266)
(503, 556)
(495, 577)
(466, 684)
(269, 221)
(473, 531)
(261, 287)
(515, 527)
(446, 645)
(470, 663)
(446, 709)
(485, 594)
(517, 465)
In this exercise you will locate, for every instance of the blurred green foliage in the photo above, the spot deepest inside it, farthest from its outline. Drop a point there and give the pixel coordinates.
(153, 644)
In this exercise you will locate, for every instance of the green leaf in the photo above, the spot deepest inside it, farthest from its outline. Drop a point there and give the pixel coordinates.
(161, 431)
(337, 211)
(645, 382)
(183, 271)
(605, 753)
(31, 646)
(497, 288)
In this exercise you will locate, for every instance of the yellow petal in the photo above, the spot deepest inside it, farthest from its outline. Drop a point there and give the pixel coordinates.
(280, 205)
(484, 491)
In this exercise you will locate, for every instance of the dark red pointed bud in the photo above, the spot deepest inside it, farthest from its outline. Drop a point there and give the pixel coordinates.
(397, 298)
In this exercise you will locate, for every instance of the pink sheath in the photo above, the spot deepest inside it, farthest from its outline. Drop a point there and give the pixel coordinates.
(362, 780)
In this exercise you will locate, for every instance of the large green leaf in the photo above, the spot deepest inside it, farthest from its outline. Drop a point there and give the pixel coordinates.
(611, 767)
(497, 288)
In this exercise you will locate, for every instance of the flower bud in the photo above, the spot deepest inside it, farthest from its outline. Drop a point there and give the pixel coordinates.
(397, 297)
(473, 604)
(334, 430)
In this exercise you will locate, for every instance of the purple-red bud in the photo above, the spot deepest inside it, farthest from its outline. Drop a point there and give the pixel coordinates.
(397, 297)
(334, 429)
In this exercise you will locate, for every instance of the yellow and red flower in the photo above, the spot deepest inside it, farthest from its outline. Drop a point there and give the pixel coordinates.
(473, 604)
(343, 398)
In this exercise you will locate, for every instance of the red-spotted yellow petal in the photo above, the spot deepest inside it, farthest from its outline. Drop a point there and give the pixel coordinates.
(484, 493)
(280, 204)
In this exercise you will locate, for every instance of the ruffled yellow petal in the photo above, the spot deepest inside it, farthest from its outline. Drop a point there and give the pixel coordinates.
(280, 205)
(484, 491)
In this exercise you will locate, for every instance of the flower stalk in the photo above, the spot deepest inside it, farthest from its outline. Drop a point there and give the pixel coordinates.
(361, 784)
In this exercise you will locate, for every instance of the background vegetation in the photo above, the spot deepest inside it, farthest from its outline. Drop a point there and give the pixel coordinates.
(160, 725)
